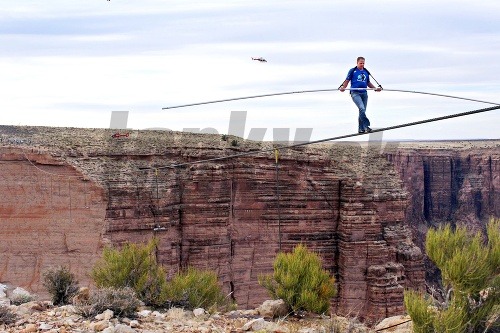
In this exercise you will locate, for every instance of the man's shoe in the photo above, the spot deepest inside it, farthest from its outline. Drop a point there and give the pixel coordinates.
(361, 131)
(368, 130)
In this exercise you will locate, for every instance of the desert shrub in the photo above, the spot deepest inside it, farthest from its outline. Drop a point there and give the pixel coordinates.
(194, 288)
(122, 301)
(470, 270)
(19, 299)
(133, 266)
(300, 281)
(421, 309)
(7, 316)
(61, 285)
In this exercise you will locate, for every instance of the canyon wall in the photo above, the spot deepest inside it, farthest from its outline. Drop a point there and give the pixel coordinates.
(70, 192)
(457, 183)
(46, 220)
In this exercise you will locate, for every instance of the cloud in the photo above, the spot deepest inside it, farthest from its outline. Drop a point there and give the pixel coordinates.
(73, 62)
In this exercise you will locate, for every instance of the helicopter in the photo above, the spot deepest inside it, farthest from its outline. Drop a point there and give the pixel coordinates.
(259, 59)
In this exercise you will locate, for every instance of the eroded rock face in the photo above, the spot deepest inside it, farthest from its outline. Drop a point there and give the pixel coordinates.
(456, 183)
(70, 191)
(46, 220)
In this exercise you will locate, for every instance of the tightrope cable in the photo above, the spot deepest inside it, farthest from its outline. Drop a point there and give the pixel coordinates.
(255, 152)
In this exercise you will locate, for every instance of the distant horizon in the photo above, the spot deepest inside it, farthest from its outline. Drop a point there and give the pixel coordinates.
(113, 130)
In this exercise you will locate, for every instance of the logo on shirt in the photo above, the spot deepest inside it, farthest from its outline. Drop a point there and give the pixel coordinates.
(361, 77)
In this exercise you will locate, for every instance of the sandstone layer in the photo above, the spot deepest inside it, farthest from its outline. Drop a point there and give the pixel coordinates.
(456, 182)
(68, 192)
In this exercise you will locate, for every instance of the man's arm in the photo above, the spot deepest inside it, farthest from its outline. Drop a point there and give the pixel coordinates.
(370, 85)
(343, 85)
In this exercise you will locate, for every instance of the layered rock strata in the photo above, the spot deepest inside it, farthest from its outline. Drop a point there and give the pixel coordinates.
(457, 183)
(69, 192)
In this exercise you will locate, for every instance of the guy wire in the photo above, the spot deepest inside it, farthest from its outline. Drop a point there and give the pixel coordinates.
(325, 90)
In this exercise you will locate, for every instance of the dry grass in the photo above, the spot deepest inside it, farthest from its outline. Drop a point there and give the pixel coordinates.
(6, 315)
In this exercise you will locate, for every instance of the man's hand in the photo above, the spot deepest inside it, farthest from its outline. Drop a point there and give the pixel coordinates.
(342, 88)
(379, 88)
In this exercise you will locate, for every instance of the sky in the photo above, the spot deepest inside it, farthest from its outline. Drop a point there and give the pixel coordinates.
(72, 63)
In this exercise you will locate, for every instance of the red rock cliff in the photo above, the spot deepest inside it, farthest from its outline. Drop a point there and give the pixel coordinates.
(67, 192)
(457, 182)
(448, 182)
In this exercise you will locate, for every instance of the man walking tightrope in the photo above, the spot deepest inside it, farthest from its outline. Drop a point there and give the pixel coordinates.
(360, 80)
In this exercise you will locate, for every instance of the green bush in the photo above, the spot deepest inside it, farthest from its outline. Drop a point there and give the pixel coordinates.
(195, 288)
(61, 285)
(300, 281)
(470, 270)
(7, 316)
(133, 266)
(421, 310)
(122, 301)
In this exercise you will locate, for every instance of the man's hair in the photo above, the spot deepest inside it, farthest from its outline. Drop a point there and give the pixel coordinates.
(359, 58)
